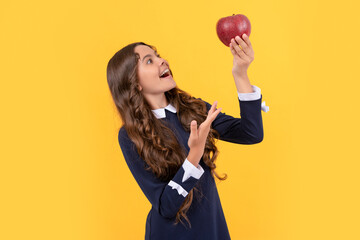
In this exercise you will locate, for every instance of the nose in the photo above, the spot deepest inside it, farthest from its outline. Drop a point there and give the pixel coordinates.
(163, 61)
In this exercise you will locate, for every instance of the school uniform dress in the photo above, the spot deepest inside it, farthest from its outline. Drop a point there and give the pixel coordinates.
(205, 213)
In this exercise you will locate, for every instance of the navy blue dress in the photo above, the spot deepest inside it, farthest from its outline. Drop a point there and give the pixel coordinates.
(205, 213)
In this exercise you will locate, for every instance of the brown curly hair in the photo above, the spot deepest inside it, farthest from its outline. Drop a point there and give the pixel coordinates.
(156, 142)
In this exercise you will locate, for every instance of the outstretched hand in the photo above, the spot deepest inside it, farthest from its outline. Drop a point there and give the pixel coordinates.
(197, 138)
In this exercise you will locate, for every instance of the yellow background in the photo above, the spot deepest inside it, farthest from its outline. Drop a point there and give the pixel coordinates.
(62, 172)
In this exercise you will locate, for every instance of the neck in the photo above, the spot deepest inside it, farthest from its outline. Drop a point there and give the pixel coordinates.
(157, 102)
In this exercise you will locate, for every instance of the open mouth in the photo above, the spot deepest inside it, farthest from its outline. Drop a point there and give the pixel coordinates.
(166, 75)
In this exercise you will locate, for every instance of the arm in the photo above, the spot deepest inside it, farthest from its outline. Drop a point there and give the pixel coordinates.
(245, 130)
(248, 129)
(165, 197)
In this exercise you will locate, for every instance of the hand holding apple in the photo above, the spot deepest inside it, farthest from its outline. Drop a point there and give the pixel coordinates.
(231, 26)
(237, 27)
(242, 56)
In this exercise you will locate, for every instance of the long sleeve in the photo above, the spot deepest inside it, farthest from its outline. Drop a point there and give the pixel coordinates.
(165, 197)
(256, 94)
(245, 130)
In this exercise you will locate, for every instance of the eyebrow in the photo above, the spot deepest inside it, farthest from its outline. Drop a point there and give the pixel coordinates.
(149, 55)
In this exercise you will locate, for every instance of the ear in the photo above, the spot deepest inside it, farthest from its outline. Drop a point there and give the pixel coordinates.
(139, 87)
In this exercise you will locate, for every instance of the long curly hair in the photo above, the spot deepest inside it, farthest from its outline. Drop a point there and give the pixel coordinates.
(155, 141)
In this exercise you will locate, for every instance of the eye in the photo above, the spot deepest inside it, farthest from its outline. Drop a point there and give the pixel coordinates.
(151, 59)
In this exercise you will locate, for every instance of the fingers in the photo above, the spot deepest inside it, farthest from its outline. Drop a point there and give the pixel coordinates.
(239, 51)
(246, 39)
(205, 126)
(232, 49)
(211, 117)
(212, 109)
(193, 128)
(214, 115)
(245, 47)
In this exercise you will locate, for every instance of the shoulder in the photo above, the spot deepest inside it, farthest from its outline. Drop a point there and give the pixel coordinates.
(122, 131)
(126, 144)
(208, 105)
(122, 135)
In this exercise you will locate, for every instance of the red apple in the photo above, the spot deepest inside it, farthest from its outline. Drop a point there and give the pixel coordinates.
(232, 26)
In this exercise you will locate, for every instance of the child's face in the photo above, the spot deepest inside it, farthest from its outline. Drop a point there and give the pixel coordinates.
(149, 71)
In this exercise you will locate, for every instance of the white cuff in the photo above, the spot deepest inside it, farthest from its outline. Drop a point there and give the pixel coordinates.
(253, 96)
(250, 96)
(191, 170)
(179, 188)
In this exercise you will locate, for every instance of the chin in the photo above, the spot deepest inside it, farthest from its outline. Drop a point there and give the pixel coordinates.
(172, 86)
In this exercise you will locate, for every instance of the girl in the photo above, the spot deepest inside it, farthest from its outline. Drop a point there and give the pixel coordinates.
(168, 139)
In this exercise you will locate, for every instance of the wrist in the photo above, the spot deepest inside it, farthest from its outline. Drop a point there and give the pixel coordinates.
(243, 84)
(194, 156)
(240, 76)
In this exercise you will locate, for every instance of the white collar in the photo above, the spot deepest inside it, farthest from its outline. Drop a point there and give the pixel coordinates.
(160, 112)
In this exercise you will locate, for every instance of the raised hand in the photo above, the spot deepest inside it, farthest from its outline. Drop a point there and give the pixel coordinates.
(197, 138)
(242, 56)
